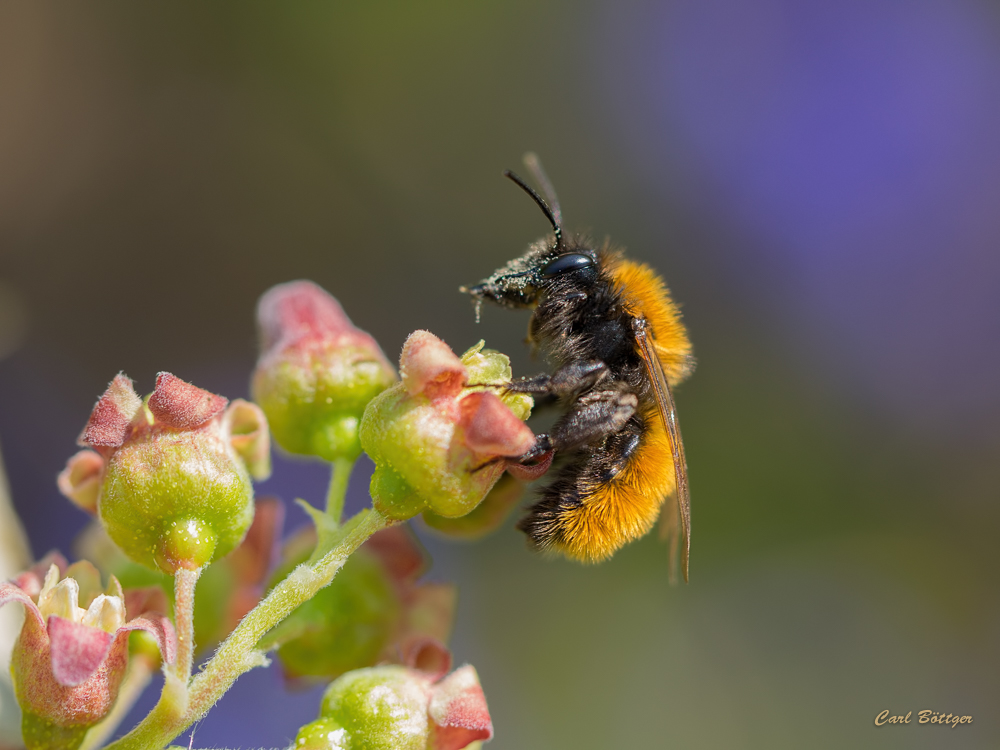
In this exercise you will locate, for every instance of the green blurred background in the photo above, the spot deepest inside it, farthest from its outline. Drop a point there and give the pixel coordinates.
(818, 184)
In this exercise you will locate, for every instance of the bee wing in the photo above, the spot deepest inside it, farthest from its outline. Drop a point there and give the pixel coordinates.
(668, 413)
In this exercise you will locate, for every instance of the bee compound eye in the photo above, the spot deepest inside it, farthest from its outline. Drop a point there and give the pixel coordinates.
(565, 264)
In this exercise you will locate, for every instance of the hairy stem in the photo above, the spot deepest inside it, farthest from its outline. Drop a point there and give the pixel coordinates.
(239, 652)
(184, 585)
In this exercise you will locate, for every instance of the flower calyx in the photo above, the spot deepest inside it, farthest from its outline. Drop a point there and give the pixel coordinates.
(442, 437)
(170, 479)
(70, 657)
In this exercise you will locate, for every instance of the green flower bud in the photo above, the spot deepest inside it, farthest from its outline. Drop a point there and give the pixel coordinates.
(175, 490)
(381, 708)
(316, 372)
(441, 437)
(486, 517)
(400, 708)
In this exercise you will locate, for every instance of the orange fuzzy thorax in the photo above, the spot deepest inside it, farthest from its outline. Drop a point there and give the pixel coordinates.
(646, 296)
(626, 507)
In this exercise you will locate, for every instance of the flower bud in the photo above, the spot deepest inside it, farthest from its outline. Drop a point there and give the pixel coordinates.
(485, 517)
(400, 708)
(174, 487)
(372, 605)
(316, 372)
(72, 652)
(439, 439)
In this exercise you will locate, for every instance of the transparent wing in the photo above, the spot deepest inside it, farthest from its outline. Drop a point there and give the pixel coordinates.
(668, 412)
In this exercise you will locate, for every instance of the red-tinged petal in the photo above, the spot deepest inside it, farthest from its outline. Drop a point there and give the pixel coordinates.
(109, 421)
(41, 694)
(9, 592)
(428, 365)
(178, 404)
(491, 428)
(428, 655)
(77, 650)
(80, 481)
(31, 580)
(300, 309)
(458, 711)
(399, 552)
(250, 437)
(158, 626)
(531, 472)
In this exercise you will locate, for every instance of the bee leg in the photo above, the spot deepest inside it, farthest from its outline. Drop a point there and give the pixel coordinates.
(568, 380)
(543, 445)
(594, 416)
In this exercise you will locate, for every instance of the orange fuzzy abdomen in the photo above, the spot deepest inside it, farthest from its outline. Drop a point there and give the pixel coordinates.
(623, 508)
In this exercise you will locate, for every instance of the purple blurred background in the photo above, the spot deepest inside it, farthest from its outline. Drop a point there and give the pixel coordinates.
(819, 184)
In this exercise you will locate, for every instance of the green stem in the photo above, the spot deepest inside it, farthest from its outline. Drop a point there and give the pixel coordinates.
(335, 494)
(239, 652)
(184, 585)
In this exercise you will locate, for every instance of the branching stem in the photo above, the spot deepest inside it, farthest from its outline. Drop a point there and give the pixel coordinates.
(239, 652)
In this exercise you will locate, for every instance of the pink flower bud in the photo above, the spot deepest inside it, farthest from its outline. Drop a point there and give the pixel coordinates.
(316, 372)
(440, 438)
(71, 655)
(172, 483)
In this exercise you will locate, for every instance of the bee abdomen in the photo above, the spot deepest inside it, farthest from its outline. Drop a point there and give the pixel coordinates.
(606, 497)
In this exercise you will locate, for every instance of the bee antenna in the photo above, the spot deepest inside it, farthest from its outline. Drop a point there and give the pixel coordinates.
(555, 219)
(534, 165)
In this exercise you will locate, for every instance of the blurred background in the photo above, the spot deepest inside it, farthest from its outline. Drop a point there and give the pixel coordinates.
(819, 184)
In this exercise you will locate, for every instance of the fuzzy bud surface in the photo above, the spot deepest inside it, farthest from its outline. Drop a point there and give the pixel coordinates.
(440, 439)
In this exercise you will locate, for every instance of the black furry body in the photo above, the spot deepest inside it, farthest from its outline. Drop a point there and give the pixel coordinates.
(582, 325)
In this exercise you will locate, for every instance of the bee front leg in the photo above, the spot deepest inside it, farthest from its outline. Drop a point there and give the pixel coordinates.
(594, 416)
(569, 380)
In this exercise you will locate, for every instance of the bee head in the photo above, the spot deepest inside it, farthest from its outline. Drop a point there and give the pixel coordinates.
(548, 262)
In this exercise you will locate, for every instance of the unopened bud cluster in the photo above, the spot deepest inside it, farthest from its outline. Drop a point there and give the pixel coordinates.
(168, 479)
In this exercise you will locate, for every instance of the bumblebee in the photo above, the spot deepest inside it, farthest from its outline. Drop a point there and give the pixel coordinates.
(615, 338)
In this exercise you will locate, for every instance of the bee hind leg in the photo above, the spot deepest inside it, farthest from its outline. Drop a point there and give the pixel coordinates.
(594, 416)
